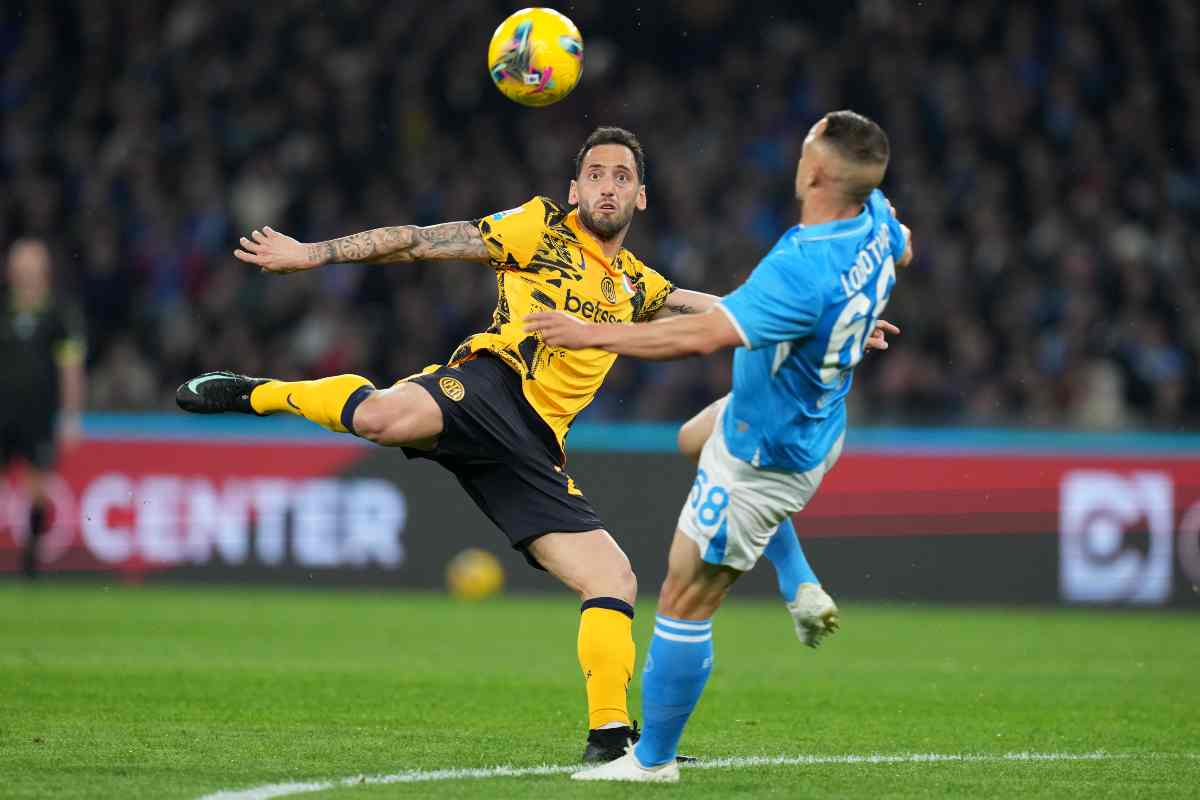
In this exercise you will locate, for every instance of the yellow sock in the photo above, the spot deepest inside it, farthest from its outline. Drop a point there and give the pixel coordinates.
(606, 654)
(320, 401)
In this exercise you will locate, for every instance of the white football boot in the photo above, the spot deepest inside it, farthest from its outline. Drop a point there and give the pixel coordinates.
(815, 614)
(628, 768)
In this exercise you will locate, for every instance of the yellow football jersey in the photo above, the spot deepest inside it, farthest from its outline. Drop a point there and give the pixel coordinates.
(545, 259)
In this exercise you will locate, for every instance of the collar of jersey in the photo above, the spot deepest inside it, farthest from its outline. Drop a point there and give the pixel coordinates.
(835, 229)
(589, 243)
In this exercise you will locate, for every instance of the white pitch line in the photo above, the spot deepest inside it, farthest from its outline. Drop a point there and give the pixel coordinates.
(272, 790)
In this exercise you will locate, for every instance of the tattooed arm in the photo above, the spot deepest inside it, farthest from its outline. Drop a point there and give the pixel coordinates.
(683, 301)
(277, 252)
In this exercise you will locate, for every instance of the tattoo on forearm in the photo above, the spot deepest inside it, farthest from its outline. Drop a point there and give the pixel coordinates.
(449, 240)
(321, 253)
(394, 239)
(680, 308)
(403, 243)
(355, 247)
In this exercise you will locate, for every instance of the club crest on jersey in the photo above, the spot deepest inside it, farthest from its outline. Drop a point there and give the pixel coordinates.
(452, 388)
(608, 289)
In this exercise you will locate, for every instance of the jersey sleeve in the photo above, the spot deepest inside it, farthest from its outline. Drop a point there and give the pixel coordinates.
(67, 339)
(897, 241)
(777, 303)
(897, 238)
(512, 237)
(656, 290)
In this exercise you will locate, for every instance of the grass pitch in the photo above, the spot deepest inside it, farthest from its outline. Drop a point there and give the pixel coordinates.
(164, 692)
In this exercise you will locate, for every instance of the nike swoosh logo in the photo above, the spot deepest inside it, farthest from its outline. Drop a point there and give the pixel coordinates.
(290, 403)
(195, 383)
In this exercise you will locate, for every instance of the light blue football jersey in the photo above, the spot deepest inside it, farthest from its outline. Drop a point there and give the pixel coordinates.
(804, 315)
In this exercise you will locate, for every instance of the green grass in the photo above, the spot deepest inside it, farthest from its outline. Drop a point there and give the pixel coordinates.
(171, 693)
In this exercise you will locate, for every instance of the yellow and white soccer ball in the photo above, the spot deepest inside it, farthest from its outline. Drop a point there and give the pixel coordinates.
(474, 574)
(536, 57)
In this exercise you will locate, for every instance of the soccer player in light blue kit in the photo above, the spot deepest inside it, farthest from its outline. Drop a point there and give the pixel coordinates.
(800, 322)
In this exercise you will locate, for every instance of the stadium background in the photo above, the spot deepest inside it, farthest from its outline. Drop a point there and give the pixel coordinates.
(1032, 438)
(1047, 157)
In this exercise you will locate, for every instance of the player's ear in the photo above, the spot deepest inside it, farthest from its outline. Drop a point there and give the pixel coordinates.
(573, 194)
(640, 202)
(818, 175)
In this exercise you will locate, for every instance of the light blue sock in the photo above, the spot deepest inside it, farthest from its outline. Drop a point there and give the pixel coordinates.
(677, 667)
(791, 567)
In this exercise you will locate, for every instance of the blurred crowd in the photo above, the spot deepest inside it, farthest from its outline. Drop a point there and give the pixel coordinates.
(1046, 156)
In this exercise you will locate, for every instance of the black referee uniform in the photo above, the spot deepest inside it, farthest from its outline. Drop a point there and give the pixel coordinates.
(33, 342)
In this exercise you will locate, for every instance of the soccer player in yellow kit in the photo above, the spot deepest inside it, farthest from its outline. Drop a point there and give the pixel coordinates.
(498, 413)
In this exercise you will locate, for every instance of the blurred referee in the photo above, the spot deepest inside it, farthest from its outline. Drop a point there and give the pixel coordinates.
(42, 354)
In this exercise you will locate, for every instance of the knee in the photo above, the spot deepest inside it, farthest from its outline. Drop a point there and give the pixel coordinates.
(688, 443)
(616, 579)
(624, 582)
(692, 436)
(385, 423)
(405, 414)
(372, 420)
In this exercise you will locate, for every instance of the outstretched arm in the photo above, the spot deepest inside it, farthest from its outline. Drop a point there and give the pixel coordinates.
(661, 340)
(685, 301)
(277, 252)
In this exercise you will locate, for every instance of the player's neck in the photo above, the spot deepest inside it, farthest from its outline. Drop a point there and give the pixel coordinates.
(819, 209)
(613, 246)
(609, 247)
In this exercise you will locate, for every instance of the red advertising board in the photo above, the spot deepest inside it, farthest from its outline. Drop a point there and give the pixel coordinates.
(1126, 526)
(1079, 527)
(139, 505)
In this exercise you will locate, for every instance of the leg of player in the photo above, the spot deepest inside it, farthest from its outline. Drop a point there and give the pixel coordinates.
(677, 665)
(813, 611)
(594, 565)
(695, 432)
(403, 414)
(35, 484)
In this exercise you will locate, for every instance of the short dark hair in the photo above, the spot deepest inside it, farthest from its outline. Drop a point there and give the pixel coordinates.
(857, 138)
(860, 141)
(613, 135)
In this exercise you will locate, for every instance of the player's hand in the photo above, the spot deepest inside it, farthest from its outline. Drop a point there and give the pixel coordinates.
(878, 338)
(273, 251)
(560, 329)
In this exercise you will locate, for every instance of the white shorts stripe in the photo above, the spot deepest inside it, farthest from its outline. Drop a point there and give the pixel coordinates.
(675, 637)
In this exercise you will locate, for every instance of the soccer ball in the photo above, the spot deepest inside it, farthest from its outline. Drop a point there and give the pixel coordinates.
(474, 574)
(536, 57)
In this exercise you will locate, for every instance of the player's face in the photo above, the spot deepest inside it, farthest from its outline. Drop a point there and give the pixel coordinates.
(607, 190)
